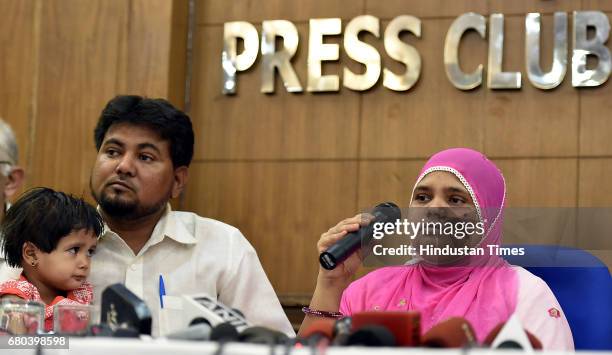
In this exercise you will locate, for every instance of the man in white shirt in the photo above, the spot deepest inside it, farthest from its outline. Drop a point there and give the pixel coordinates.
(145, 147)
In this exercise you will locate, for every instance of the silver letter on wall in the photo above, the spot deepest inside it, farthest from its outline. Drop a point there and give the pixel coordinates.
(232, 62)
(281, 60)
(454, 73)
(554, 77)
(362, 53)
(403, 53)
(318, 52)
(595, 46)
(496, 79)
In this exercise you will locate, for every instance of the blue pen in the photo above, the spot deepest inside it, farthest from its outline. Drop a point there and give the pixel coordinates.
(162, 291)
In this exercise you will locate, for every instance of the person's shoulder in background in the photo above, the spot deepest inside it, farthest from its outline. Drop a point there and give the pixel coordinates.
(7, 272)
(540, 312)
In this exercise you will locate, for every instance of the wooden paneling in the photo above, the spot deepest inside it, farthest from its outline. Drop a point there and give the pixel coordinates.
(595, 122)
(78, 73)
(388, 9)
(281, 207)
(220, 11)
(595, 202)
(594, 185)
(540, 182)
(17, 69)
(381, 181)
(252, 125)
(530, 122)
(87, 53)
(597, 5)
(432, 115)
(148, 50)
(522, 7)
(286, 167)
(177, 70)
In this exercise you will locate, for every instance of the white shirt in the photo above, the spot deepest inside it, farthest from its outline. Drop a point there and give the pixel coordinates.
(194, 255)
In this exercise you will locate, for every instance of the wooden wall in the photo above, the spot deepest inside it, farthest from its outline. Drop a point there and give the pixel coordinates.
(285, 167)
(62, 60)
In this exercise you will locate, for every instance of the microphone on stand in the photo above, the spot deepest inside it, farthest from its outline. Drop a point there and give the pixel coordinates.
(511, 335)
(123, 314)
(405, 326)
(455, 332)
(372, 335)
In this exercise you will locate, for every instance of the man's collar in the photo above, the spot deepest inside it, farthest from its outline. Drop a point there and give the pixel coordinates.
(167, 226)
(174, 229)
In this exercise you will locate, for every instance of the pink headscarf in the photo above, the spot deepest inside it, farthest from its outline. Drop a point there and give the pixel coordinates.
(485, 294)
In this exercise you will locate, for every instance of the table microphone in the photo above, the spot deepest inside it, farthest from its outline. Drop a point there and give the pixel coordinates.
(318, 334)
(455, 332)
(404, 325)
(511, 335)
(372, 335)
(122, 310)
(199, 329)
(224, 332)
(387, 212)
(262, 335)
(342, 330)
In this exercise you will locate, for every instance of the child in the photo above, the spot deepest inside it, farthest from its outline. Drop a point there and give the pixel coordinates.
(52, 236)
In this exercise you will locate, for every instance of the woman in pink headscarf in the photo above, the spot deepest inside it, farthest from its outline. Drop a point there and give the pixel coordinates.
(483, 289)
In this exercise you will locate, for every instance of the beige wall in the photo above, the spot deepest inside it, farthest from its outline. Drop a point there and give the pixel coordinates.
(285, 167)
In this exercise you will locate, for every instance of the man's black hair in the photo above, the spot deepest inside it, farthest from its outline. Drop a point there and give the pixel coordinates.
(172, 124)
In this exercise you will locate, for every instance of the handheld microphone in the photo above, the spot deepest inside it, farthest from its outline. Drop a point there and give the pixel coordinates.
(405, 326)
(387, 212)
(455, 332)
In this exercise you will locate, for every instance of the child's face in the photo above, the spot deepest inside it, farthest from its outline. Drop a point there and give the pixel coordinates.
(67, 266)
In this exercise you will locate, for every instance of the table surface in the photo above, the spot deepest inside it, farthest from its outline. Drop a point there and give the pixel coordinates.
(121, 346)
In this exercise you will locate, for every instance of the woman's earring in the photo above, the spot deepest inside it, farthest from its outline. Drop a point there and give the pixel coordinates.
(34, 263)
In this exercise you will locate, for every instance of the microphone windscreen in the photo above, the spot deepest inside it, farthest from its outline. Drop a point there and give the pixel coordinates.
(200, 331)
(372, 335)
(455, 332)
(535, 342)
(121, 308)
(224, 332)
(343, 326)
(199, 320)
(405, 326)
(321, 327)
(262, 335)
